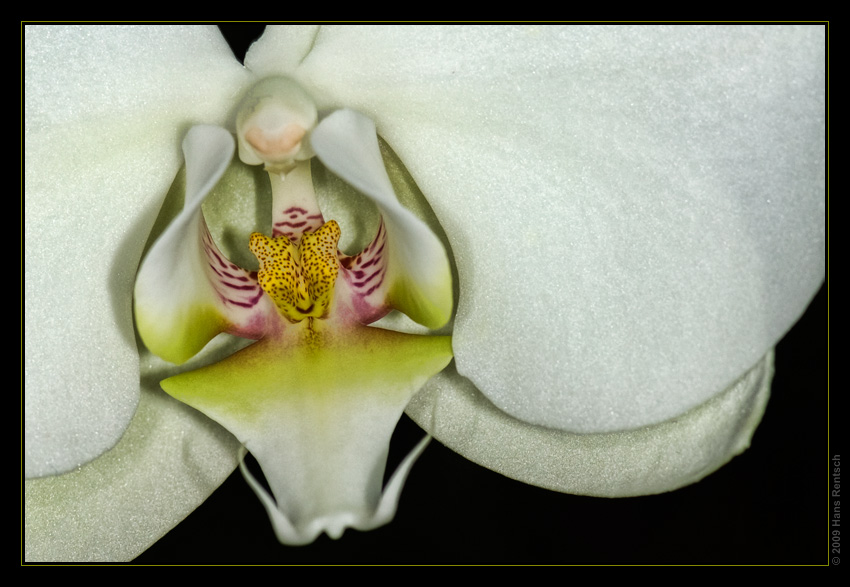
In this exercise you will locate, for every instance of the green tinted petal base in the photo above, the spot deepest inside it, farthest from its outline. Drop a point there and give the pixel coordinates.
(319, 418)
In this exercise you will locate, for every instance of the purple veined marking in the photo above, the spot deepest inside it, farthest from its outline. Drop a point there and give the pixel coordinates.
(367, 270)
(360, 284)
(233, 284)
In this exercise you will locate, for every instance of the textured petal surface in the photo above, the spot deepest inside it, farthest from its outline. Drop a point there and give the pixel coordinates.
(106, 108)
(167, 463)
(637, 213)
(649, 460)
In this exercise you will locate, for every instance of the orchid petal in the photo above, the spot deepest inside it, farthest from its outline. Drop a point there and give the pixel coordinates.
(187, 292)
(413, 275)
(100, 152)
(658, 192)
(318, 418)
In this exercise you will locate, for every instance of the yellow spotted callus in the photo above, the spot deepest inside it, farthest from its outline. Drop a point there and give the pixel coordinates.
(299, 277)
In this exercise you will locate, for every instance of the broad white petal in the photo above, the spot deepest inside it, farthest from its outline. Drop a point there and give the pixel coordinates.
(106, 108)
(637, 213)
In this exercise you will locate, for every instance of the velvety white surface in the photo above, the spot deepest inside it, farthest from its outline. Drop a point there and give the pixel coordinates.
(105, 113)
(637, 213)
(168, 462)
(648, 460)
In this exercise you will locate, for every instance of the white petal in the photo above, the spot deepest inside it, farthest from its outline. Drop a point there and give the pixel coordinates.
(105, 112)
(637, 214)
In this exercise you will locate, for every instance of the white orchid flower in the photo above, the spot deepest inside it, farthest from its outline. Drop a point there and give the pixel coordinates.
(636, 215)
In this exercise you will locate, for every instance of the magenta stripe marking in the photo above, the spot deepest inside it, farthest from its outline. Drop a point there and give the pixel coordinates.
(367, 280)
(371, 262)
(220, 262)
(250, 304)
(239, 287)
(374, 287)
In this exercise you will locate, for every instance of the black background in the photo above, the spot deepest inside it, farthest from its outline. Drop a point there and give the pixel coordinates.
(769, 505)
